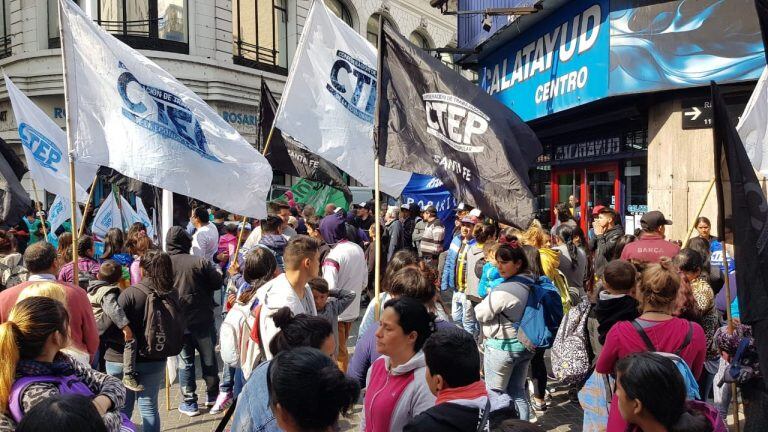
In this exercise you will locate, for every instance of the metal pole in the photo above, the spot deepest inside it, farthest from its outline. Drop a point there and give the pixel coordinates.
(87, 205)
(701, 207)
(39, 211)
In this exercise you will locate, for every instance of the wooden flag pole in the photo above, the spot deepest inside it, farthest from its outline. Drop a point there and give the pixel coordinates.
(376, 181)
(39, 211)
(701, 208)
(88, 205)
(729, 316)
(242, 222)
(70, 149)
(167, 390)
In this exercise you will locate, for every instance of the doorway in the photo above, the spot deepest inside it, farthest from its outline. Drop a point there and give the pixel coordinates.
(586, 187)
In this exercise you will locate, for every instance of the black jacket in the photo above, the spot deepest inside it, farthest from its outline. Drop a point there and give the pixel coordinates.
(603, 245)
(195, 278)
(609, 312)
(453, 417)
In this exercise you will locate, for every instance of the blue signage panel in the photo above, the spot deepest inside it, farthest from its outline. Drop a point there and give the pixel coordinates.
(561, 62)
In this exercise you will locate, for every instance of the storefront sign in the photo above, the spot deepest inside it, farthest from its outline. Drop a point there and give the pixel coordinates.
(588, 149)
(560, 63)
(697, 113)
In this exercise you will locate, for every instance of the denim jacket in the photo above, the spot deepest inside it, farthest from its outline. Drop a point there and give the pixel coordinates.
(252, 413)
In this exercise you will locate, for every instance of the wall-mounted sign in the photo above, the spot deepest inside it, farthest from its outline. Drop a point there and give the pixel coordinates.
(588, 149)
(697, 113)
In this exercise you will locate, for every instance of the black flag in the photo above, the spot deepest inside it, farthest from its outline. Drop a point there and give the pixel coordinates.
(743, 221)
(286, 156)
(14, 200)
(431, 120)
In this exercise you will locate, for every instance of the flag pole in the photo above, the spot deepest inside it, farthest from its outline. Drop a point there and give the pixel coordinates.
(39, 211)
(242, 223)
(87, 205)
(376, 180)
(729, 316)
(70, 150)
(701, 207)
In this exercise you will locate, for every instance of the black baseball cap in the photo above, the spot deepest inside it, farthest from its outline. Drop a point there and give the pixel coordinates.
(653, 220)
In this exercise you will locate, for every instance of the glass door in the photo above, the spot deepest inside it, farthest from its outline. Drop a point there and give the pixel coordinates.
(602, 187)
(567, 187)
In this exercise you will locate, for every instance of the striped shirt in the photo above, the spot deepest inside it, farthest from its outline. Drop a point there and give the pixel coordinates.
(432, 239)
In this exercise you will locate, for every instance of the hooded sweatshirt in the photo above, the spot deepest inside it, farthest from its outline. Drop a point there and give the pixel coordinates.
(333, 228)
(611, 309)
(274, 295)
(394, 397)
(276, 243)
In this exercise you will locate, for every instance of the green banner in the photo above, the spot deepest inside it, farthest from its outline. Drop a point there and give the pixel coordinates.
(317, 195)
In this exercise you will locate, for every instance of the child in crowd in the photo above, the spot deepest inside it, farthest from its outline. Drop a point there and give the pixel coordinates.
(615, 302)
(103, 293)
(330, 304)
(490, 277)
(228, 242)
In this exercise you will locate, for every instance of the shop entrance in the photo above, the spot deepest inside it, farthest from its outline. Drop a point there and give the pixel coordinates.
(584, 188)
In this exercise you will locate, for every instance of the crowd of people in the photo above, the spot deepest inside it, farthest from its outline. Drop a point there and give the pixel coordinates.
(457, 340)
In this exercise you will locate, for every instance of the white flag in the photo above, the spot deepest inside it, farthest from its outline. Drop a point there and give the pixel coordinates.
(141, 211)
(128, 214)
(60, 211)
(129, 114)
(108, 216)
(329, 99)
(45, 148)
(753, 126)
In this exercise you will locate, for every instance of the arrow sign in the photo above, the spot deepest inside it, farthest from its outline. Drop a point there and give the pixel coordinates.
(694, 113)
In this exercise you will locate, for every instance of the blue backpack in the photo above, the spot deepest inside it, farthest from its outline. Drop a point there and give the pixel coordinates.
(542, 315)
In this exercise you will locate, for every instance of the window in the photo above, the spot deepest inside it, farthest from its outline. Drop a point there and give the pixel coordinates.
(419, 40)
(341, 11)
(372, 30)
(5, 34)
(146, 24)
(260, 33)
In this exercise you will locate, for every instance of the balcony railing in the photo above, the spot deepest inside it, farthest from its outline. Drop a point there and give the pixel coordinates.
(259, 57)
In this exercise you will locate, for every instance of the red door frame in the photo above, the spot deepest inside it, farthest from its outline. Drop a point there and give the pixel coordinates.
(584, 197)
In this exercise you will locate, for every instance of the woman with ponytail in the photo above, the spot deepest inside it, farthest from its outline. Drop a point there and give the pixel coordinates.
(573, 260)
(639, 378)
(253, 410)
(157, 272)
(34, 368)
(657, 294)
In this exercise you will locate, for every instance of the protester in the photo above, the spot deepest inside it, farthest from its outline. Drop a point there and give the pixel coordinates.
(40, 260)
(272, 237)
(711, 273)
(290, 288)
(87, 266)
(562, 217)
(35, 369)
(307, 392)
(345, 268)
(114, 248)
(64, 249)
(220, 220)
(138, 250)
(23, 229)
(639, 378)
(482, 234)
(70, 413)
(12, 272)
(615, 302)
(506, 360)
(195, 279)
(365, 217)
(408, 219)
(657, 293)
(284, 213)
(158, 280)
(704, 229)
(103, 294)
(538, 238)
(453, 376)
(431, 244)
(607, 233)
(454, 275)
(227, 243)
(400, 372)
(252, 413)
(490, 277)
(573, 260)
(651, 246)
(330, 304)
(313, 230)
(620, 244)
(135, 232)
(205, 240)
(393, 236)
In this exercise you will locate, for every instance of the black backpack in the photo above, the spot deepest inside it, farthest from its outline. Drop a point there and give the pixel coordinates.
(164, 324)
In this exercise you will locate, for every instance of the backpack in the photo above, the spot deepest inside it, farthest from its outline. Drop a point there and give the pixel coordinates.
(84, 278)
(542, 315)
(571, 348)
(238, 349)
(691, 386)
(66, 385)
(12, 275)
(595, 400)
(164, 325)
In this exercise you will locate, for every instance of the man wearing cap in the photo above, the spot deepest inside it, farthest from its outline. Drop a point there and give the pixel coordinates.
(432, 239)
(651, 245)
(454, 275)
(364, 219)
(392, 238)
(408, 219)
(607, 233)
(461, 211)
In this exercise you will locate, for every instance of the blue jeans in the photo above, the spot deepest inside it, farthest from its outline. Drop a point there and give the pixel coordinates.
(463, 313)
(227, 379)
(152, 377)
(505, 372)
(204, 341)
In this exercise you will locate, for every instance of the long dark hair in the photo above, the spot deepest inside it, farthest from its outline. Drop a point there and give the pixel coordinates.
(259, 268)
(531, 257)
(113, 243)
(297, 331)
(642, 375)
(413, 316)
(565, 232)
(158, 270)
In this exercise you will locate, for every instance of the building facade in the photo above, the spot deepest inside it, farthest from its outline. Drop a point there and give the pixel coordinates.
(618, 93)
(220, 49)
